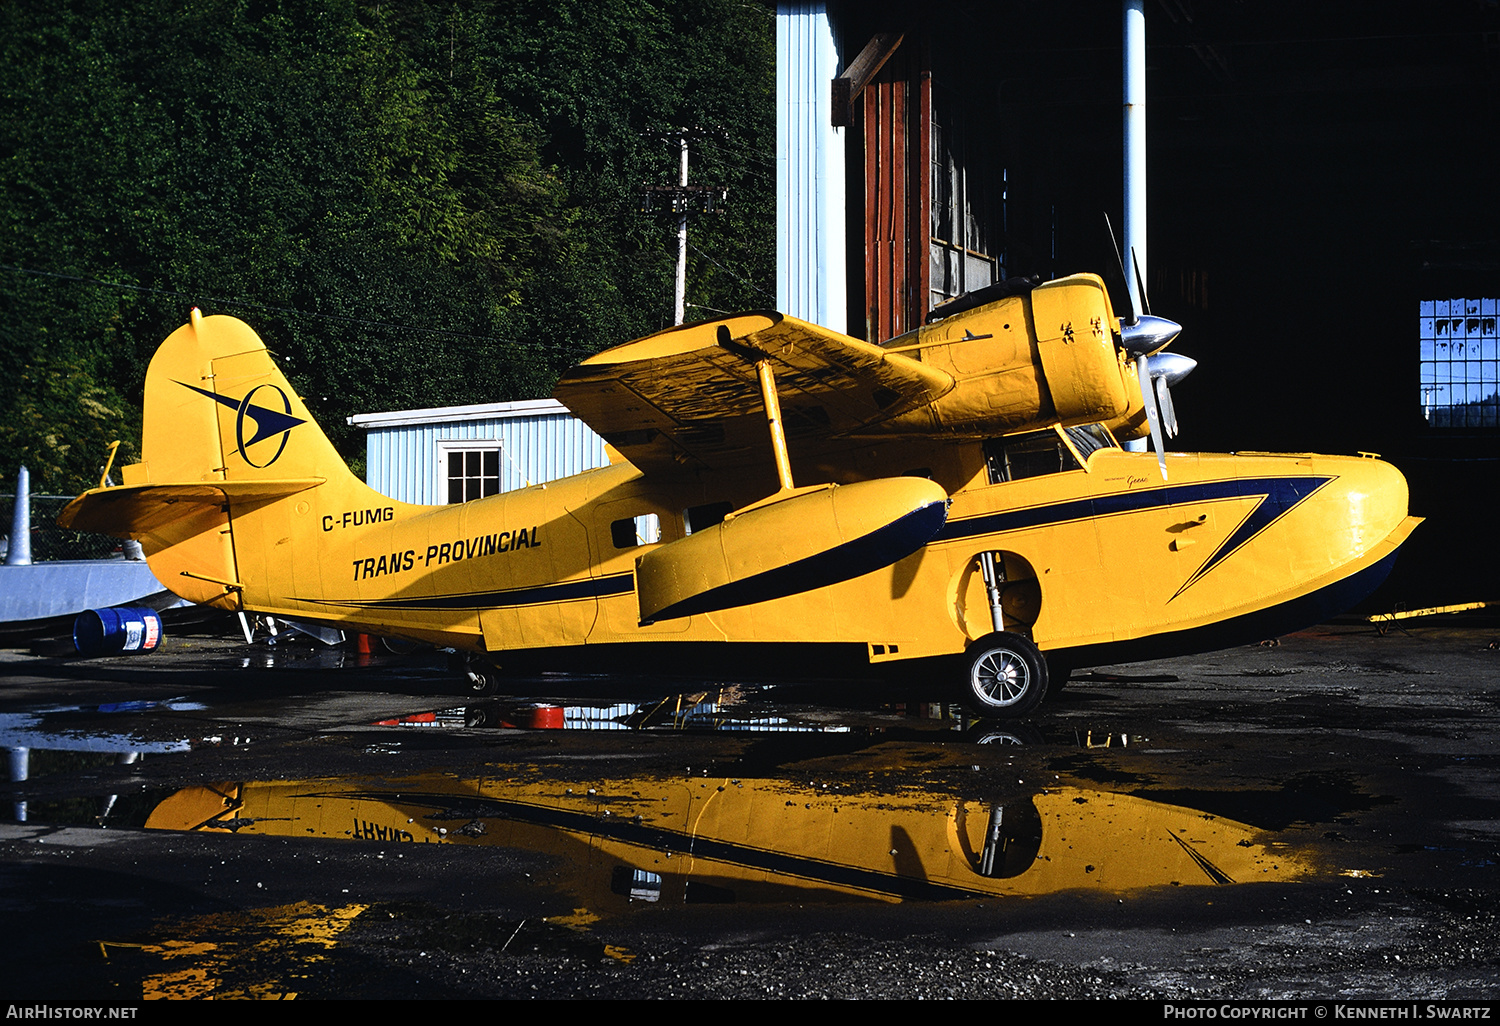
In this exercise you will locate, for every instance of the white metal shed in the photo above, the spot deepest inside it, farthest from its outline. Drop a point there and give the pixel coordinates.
(454, 453)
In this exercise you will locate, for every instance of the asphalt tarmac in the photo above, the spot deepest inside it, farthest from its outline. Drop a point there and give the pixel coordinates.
(1313, 820)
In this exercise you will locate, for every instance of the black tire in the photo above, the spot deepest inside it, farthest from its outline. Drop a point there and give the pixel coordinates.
(481, 680)
(1004, 676)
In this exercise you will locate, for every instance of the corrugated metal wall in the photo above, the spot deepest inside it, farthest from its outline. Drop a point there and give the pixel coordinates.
(810, 216)
(402, 461)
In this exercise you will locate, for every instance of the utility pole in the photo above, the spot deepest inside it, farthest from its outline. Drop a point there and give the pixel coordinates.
(680, 292)
(681, 199)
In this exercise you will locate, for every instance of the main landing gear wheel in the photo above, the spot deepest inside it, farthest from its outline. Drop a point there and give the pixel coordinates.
(1005, 676)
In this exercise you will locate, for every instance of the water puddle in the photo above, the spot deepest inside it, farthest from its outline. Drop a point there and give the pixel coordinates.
(63, 740)
(626, 841)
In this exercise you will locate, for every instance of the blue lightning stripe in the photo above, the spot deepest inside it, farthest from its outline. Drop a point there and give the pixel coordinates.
(880, 548)
(614, 584)
(1278, 496)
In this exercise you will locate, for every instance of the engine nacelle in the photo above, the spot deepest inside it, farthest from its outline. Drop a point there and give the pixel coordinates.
(1024, 362)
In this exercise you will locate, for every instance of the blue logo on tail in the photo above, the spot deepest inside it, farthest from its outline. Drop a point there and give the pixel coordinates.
(268, 422)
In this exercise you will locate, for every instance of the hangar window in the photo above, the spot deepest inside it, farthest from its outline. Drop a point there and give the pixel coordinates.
(1033, 454)
(630, 532)
(468, 471)
(1460, 363)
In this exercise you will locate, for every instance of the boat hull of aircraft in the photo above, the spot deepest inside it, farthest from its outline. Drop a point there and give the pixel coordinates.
(1049, 540)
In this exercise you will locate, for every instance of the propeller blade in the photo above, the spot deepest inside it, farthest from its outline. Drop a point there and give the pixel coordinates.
(1140, 280)
(1135, 314)
(1168, 411)
(1153, 415)
(1167, 370)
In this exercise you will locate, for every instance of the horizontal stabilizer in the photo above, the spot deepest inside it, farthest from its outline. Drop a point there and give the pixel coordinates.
(129, 511)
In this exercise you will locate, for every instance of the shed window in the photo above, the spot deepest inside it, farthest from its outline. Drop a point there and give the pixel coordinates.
(472, 473)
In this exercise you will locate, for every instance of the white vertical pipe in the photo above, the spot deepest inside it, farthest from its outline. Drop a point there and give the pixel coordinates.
(1135, 160)
(19, 551)
(810, 229)
(1135, 145)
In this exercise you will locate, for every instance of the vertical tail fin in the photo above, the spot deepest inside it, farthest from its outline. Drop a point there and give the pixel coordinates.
(219, 409)
(225, 437)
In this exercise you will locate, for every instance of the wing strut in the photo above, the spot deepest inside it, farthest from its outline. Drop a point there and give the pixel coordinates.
(773, 420)
(768, 396)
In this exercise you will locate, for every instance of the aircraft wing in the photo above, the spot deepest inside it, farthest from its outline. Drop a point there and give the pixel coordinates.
(689, 399)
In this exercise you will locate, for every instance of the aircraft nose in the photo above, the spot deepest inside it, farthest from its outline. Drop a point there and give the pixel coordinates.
(1374, 500)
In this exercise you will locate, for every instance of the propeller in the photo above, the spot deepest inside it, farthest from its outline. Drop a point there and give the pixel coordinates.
(1143, 337)
(1166, 370)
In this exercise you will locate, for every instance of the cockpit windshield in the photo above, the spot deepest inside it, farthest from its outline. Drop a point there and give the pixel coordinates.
(1089, 438)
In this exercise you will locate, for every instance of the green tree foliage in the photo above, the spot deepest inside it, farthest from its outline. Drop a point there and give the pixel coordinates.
(415, 203)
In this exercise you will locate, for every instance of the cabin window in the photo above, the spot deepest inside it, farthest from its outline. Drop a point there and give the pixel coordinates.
(1460, 363)
(469, 472)
(700, 518)
(632, 532)
(639, 884)
(1034, 454)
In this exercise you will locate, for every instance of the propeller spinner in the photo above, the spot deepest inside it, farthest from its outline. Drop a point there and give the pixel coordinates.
(1143, 337)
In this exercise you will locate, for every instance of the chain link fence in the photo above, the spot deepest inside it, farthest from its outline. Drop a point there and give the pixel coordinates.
(50, 542)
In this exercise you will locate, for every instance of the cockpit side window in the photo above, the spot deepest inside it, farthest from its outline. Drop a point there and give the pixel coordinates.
(1033, 454)
(701, 518)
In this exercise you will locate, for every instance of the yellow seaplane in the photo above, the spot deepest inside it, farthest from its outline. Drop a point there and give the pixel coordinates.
(957, 495)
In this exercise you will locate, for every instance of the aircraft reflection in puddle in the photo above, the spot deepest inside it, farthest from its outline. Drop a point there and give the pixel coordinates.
(704, 840)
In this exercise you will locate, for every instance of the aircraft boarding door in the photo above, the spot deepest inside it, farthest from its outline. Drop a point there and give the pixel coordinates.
(555, 602)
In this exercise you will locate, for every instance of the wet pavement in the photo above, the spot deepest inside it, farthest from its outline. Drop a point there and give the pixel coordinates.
(1314, 819)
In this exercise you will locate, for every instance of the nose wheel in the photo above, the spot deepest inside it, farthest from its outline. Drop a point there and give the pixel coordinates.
(1005, 676)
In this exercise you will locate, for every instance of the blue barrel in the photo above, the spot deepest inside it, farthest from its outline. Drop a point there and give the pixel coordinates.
(115, 630)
